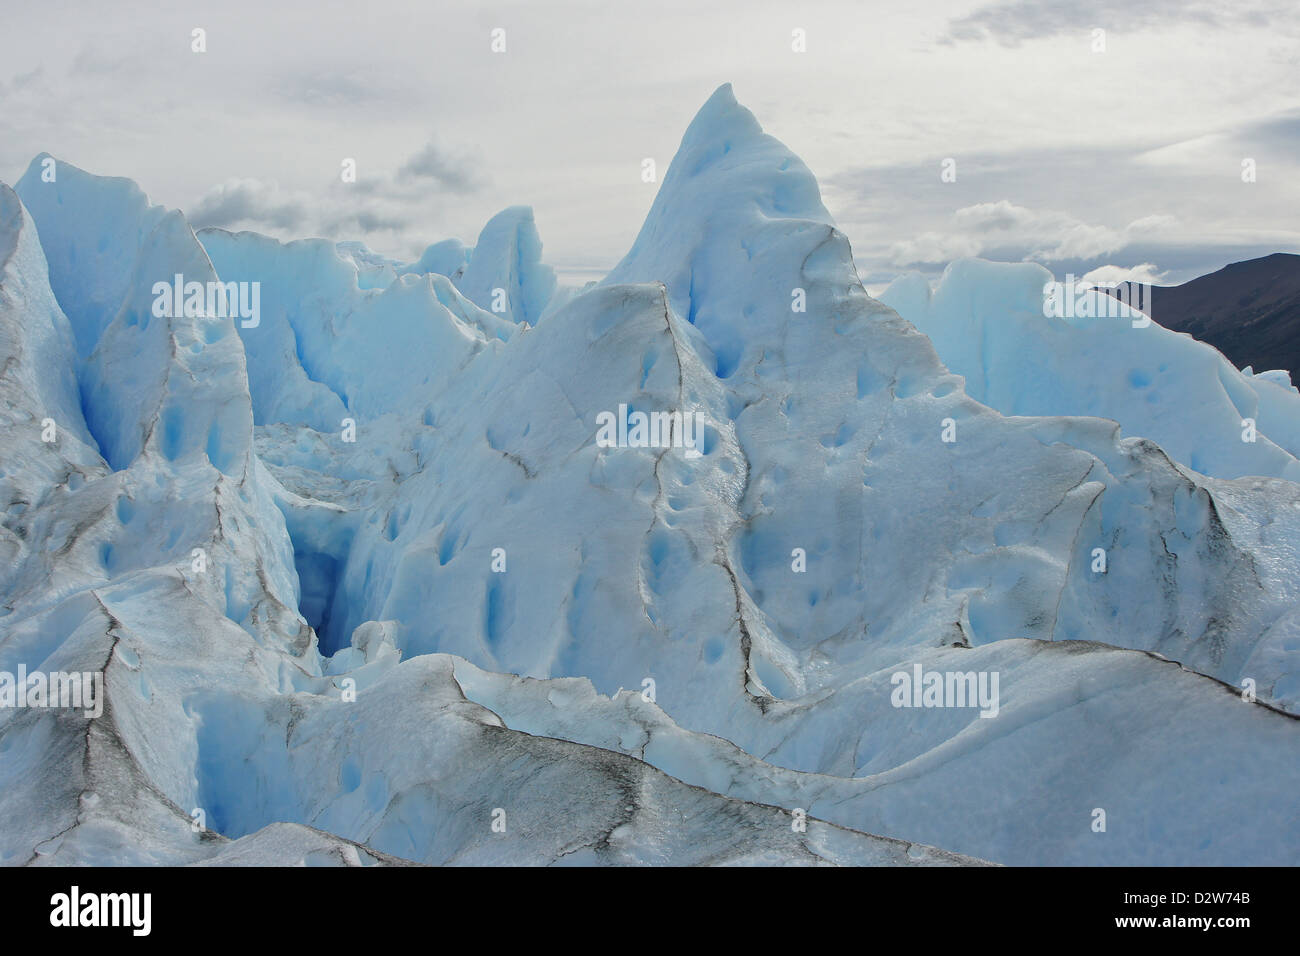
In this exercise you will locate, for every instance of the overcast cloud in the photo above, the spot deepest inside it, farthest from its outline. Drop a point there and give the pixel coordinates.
(1105, 162)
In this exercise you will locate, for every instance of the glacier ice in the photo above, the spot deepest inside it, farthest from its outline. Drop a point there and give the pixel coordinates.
(365, 590)
(986, 319)
(505, 273)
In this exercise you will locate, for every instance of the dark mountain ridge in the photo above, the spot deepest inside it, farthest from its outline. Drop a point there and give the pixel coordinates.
(1249, 311)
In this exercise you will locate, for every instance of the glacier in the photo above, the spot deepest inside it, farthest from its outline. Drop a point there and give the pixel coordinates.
(986, 320)
(365, 590)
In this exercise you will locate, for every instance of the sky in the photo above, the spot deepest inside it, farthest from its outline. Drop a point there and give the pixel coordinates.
(1098, 137)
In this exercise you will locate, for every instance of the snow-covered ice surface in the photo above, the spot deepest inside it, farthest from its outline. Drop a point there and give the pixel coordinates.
(986, 319)
(414, 646)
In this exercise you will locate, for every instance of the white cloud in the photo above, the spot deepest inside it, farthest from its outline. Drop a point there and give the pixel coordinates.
(287, 90)
(1110, 275)
(1048, 235)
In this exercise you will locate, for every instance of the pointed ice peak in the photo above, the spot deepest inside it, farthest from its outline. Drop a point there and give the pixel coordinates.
(35, 344)
(92, 229)
(505, 270)
(728, 177)
(58, 176)
(721, 118)
(737, 228)
(512, 224)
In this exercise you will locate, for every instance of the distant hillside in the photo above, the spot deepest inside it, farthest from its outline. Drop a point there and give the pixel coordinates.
(1249, 311)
